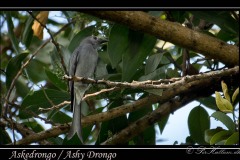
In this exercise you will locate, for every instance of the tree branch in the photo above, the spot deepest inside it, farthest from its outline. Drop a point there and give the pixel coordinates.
(54, 106)
(175, 33)
(185, 87)
(158, 84)
(143, 123)
(23, 130)
(100, 92)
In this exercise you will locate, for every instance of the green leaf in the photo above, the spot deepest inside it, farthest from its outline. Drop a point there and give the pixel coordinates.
(189, 141)
(21, 87)
(209, 102)
(73, 141)
(86, 131)
(222, 135)
(27, 34)
(209, 133)
(225, 91)
(233, 139)
(1, 108)
(221, 142)
(34, 125)
(104, 133)
(4, 137)
(162, 123)
(79, 37)
(226, 36)
(11, 33)
(198, 122)
(229, 26)
(55, 80)
(147, 137)
(118, 43)
(223, 104)
(157, 74)
(227, 121)
(236, 92)
(222, 18)
(139, 46)
(59, 117)
(13, 67)
(33, 102)
(56, 141)
(35, 71)
(172, 72)
(153, 62)
(178, 16)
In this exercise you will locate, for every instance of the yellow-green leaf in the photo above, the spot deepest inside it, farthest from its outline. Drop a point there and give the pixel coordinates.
(209, 133)
(225, 91)
(233, 139)
(223, 104)
(222, 135)
(235, 94)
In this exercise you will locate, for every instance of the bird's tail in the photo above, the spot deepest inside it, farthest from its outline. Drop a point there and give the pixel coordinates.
(76, 124)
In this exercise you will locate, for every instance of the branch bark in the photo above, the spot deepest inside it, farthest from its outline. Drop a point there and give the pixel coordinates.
(175, 33)
(185, 87)
(23, 130)
(157, 84)
(143, 123)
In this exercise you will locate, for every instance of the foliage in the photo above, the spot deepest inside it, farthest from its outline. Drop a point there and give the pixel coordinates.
(199, 122)
(129, 56)
(225, 105)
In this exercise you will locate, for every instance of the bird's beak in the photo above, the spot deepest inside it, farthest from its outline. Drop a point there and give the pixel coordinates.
(103, 40)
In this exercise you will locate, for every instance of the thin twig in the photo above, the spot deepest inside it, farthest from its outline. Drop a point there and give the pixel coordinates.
(169, 57)
(37, 116)
(49, 100)
(54, 107)
(99, 92)
(87, 96)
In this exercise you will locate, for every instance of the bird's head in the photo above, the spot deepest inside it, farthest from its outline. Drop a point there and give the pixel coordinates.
(95, 41)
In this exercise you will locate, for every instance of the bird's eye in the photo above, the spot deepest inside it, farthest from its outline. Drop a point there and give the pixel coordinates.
(94, 37)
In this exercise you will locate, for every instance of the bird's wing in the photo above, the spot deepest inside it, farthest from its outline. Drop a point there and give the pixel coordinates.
(72, 69)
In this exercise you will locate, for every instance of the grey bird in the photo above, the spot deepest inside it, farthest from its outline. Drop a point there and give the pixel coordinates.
(82, 63)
